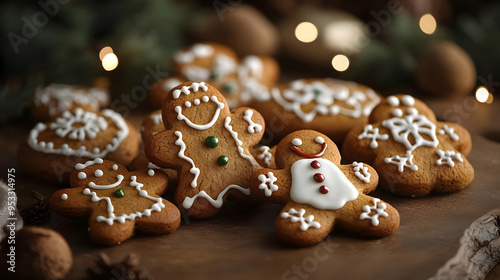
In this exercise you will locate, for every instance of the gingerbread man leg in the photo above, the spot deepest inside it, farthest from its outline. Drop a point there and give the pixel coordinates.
(104, 234)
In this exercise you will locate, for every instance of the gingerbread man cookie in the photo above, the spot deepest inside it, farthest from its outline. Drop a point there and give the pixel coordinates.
(208, 145)
(54, 99)
(329, 106)
(116, 202)
(52, 149)
(319, 193)
(152, 124)
(239, 81)
(413, 153)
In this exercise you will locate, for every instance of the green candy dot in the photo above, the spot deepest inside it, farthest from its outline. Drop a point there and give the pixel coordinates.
(212, 141)
(229, 88)
(223, 160)
(214, 76)
(317, 91)
(119, 193)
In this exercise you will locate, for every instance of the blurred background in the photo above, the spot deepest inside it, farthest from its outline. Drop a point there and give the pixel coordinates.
(434, 48)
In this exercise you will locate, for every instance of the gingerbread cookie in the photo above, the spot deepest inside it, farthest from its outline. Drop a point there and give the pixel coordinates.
(141, 162)
(52, 149)
(116, 202)
(413, 153)
(264, 155)
(239, 81)
(329, 106)
(320, 194)
(54, 99)
(152, 124)
(208, 145)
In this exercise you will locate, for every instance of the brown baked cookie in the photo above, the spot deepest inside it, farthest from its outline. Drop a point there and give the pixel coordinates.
(54, 99)
(141, 162)
(116, 202)
(208, 145)
(152, 124)
(413, 153)
(319, 193)
(52, 149)
(240, 81)
(264, 155)
(329, 106)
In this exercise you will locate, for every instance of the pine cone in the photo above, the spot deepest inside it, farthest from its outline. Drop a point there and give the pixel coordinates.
(35, 209)
(129, 268)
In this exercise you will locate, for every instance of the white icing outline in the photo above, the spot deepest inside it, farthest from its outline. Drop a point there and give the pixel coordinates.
(380, 212)
(119, 178)
(252, 127)
(266, 155)
(80, 166)
(270, 178)
(215, 117)
(90, 121)
(237, 141)
(450, 131)
(447, 157)
(402, 162)
(194, 87)
(193, 170)
(195, 52)
(157, 118)
(217, 203)
(305, 222)
(361, 171)
(372, 133)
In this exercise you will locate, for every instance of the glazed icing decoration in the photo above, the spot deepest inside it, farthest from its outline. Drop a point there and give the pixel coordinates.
(297, 142)
(151, 172)
(92, 126)
(194, 87)
(157, 119)
(208, 125)
(194, 170)
(447, 157)
(267, 183)
(170, 83)
(64, 196)
(361, 172)
(266, 155)
(305, 189)
(450, 131)
(402, 162)
(217, 203)
(372, 133)
(195, 52)
(157, 205)
(110, 186)
(252, 127)
(379, 209)
(80, 166)
(237, 141)
(298, 216)
(300, 93)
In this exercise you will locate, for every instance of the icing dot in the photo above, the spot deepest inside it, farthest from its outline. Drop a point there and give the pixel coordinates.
(205, 99)
(119, 193)
(98, 173)
(296, 142)
(393, 101)
(412, 111)
(397, 112)
(319, 140)
(212, 141)
(64, 196)
(115, 167)
(82, 175)
(323, 189)
(196, 102)
(187, 104)
(408, 100)
(222, 160)
(151, 172)
(318, 177)
(315, 164)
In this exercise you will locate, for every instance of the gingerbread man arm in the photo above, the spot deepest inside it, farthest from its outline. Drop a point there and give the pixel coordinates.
(364, 149)
(456, 135)
(66, 202)
(104, 234)
(164, 149)
(165, 221)
(271, 185)
(361, 175)
(302, 224)
(158, 180)
(249, 124)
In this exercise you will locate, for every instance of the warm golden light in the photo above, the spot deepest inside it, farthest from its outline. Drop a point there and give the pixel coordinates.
(104, 51)
(428, 24)
(340, 62)
(490, 99)
(306, 32)
(482, 94)
(110, 62)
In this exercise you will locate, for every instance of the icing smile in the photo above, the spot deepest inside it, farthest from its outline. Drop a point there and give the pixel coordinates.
(297, 142)
(197, 102)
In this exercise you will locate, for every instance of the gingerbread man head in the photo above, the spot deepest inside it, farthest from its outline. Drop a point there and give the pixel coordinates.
(319, 193)
(116, 202)
(413, 152)
(208, 145)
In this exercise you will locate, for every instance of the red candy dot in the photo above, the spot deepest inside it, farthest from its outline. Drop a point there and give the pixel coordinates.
(315, 164)
(323, 189)
(318, 177)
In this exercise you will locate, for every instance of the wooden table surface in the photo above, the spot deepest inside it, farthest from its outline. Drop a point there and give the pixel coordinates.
(238, 243)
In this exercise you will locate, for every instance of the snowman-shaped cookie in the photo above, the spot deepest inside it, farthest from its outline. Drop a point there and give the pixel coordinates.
(208, 145)
(319, 193)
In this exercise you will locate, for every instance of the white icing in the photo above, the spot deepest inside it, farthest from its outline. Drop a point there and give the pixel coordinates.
(408, 100)
(267, 183)
(306, 190)
(372, 133)
(224, 65)
(193, 170)
(80, 166)
(82, 175)
(170, 83)
(153, 166)
(64, 196)
(254, 65)
(296, 142)
(379, 209)
(98, 173)
(402, 162)
(157, 118)
(109, 186)
(450, 131)
(447, 157)
(237, 141)
(151, 172)
(181, 117)
(194, 87)
(298, 216)
(195, 73)
(157, 206)
(195, 52)
(397, 112)
(361, 172)
(393, 101)
(187, 104)
(217, 203)
(252, 127)
(82, 151)
(319, 140)
(302, 93)
(79, 126)
(266, 155)
(115, 167)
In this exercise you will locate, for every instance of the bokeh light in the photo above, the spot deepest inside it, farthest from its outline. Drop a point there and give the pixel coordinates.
(340, 62)
(306, 32)
(482, 94)
(104, 51)
(428, 24)
(110, 62)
